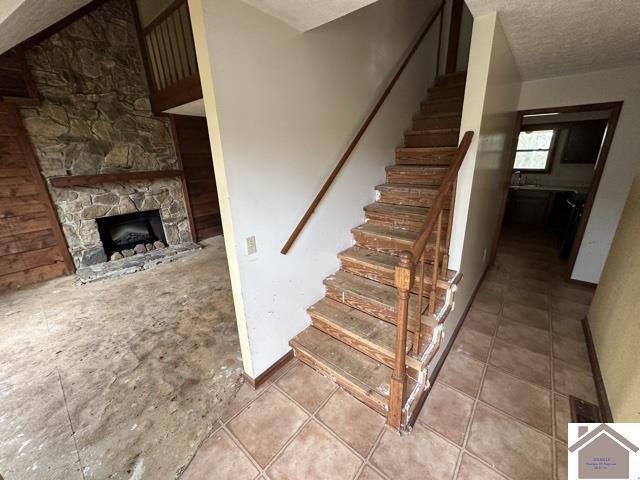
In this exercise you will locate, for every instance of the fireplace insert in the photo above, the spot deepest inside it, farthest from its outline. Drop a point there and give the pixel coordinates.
(121, 232)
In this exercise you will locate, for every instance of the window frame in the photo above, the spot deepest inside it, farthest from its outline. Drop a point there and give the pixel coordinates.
(551, 151)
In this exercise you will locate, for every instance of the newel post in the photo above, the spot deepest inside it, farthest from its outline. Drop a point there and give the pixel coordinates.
(403, 281)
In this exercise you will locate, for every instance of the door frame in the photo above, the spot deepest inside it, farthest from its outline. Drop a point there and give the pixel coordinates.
(614, 109)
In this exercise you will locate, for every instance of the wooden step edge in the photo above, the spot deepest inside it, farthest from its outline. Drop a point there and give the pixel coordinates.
(433, 131)
(369, 397)
(361, 229)
(391, 168)
(431, 101)
(407, 186)
(416, 150)
(390, 272)
(371, 349)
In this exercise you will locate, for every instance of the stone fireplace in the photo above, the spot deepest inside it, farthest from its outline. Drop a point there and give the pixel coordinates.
(95, 119)
(82, 209)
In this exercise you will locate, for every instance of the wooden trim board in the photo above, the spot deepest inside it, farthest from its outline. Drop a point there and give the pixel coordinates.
(603, 399)
(269, 372)
(83, 180)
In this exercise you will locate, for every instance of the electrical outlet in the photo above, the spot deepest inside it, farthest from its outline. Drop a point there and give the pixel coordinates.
(251, 245)
(484, 256)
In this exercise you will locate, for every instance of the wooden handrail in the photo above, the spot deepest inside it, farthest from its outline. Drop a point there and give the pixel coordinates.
(439, 203)
(314, 204)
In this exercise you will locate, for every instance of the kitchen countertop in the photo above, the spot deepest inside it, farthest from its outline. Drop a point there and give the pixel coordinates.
(550, 188)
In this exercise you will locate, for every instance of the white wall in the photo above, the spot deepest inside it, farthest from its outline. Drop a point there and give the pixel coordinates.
(490, 105)
(623, 162)
(282, 107)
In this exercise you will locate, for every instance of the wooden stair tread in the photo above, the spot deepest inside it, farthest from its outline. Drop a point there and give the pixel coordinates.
(362, 376)
(365, 333)
(409, 187)
(431, 101)
(375, 298)
(417, 168)
(398, 210)
(433, 131)
(385, 264)
(451, 150)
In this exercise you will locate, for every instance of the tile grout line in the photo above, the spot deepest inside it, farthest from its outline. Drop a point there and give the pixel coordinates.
(467, 433)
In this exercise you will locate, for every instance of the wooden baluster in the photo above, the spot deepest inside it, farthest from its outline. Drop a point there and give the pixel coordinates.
(416, 333)
(436, 261)
(445, 258)
(404, 281)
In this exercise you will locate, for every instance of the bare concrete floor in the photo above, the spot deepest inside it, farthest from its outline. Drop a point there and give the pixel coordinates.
(117, 379)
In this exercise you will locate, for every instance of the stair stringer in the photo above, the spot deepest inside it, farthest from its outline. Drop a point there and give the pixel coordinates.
(415, 399)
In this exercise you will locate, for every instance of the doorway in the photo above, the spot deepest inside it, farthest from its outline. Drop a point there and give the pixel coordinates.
(557, 160)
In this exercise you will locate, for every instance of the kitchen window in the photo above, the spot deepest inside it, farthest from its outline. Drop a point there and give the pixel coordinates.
(534, 150)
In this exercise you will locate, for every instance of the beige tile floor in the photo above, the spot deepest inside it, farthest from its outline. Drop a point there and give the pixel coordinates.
(499, 408)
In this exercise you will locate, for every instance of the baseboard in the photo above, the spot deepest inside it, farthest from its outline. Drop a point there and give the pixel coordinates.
(447, 349)
(603, 400)
(264, 376)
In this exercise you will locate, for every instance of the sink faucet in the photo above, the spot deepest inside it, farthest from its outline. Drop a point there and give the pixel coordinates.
(520, 179)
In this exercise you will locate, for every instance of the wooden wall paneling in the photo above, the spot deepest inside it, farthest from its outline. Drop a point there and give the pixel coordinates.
(194, 155)
(32, 246)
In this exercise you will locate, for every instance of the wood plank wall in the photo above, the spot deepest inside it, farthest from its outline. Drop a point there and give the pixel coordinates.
(194, 152)
(32, 247)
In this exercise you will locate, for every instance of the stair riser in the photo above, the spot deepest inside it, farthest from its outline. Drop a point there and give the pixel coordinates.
(413, 224)
(385, 357)
(451, 81)
(364, 396)
(361, 303)
(423, 158)
(423, 176)
(387, 245)
(453, 105)
(441, 92)
(387, 276)
(406, 197)
(449, 139)
(436, 122)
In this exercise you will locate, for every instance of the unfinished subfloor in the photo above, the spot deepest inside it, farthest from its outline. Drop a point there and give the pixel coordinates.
(118, 379)
(498, 410)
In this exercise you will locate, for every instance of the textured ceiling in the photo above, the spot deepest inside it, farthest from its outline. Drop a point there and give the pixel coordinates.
(558, 37)
(21, 19)
(304, 15)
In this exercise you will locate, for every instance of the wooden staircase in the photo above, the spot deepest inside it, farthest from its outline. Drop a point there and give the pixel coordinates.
(353, 335)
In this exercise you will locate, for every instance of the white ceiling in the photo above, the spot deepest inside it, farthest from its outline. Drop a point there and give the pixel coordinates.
(21, 19)
(304, 15)
(558, 37)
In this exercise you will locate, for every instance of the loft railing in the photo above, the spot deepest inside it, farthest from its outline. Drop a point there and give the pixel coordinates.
(170, 58)
(438, 13)
(410, 262)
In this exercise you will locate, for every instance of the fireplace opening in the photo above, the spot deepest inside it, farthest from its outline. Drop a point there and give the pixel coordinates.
(123, 233)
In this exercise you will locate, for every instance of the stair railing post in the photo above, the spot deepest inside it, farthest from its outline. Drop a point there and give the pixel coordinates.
(418, 317)
(436, 265)
(404, 276)
(445, 257)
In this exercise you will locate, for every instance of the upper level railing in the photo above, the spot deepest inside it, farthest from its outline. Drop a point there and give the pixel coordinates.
(170, 58)
(405, 275)
(438, 13)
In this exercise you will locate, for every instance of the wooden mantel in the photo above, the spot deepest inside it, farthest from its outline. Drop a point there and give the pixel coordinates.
(95, 179)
